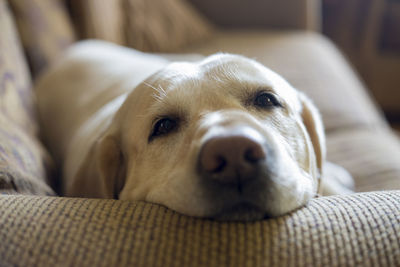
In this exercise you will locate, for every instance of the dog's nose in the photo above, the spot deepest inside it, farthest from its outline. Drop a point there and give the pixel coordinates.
(231, 159)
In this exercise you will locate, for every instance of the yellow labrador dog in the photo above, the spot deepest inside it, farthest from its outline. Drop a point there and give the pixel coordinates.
(223, 137)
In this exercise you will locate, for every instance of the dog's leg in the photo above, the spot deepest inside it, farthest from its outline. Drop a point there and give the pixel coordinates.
(336, 180)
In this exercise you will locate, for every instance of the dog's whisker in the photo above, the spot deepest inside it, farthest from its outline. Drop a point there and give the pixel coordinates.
(160, 93)
(149, 85)
(158, 97)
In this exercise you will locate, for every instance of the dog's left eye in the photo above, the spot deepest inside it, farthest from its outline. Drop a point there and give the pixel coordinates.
(266, 100)
(163, 127)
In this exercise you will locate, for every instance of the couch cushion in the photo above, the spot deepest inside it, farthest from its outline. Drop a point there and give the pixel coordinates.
(44, 28)
(23, 161)
(152, 26)
(312, 64)
(372, 157)
(354, 230)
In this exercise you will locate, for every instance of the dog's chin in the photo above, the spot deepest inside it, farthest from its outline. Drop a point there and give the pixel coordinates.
(243, 212)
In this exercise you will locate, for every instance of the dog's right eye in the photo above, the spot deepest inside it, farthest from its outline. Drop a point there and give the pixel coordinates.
(163, 127)
(266, 100)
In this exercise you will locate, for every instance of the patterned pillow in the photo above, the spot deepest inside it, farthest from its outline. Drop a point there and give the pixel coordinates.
(45, 30)
(23, 161)
(151, 26)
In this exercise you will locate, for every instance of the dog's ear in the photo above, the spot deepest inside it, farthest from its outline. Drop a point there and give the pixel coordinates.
(313, 123)
(110, 164)
(102, 173)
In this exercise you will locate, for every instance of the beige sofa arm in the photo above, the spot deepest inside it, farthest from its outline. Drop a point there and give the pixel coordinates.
(292, 14)
(354, 230)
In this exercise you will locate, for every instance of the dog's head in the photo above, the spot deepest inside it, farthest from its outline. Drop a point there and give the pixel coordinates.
(224, 138)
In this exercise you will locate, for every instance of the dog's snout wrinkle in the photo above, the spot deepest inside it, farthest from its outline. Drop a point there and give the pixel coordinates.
(231, 159)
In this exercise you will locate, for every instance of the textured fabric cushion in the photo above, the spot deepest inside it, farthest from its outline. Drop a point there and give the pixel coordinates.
(312, 64)
(23, 161)
(44, 28)
(15, 81)
(354, 230)
(156, 26)
(372, 157)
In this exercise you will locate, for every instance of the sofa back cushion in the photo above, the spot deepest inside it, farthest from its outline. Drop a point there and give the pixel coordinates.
(45, 30)
(23, 160)
(150, 26)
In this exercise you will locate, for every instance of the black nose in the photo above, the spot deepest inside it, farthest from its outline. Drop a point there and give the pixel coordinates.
(231, 159)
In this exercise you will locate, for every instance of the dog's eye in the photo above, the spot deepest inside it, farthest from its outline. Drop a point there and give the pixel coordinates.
(266, 100)
(163, 126)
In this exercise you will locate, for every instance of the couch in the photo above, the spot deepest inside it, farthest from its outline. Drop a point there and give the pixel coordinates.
(40, 228)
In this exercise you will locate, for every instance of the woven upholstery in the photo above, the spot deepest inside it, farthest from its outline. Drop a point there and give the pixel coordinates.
(356, 230)
(23, 160)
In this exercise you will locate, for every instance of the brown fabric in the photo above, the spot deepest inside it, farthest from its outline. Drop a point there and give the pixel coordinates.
(372, 157)
(99, 19)
(152, 26)
(354, 230)
(265, 14)
(15, 94)
(367, 32)
(44, 28)
(23, 161)
(173, 25)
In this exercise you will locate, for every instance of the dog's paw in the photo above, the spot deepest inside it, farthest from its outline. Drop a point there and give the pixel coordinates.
(336, 180)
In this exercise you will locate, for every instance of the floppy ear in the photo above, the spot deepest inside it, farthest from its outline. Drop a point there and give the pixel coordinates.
(313, 123)
(110, 166)
(102, 173)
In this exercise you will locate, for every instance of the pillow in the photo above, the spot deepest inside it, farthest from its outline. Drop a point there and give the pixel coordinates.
(150, 26)
(23, 160)
(45, 30)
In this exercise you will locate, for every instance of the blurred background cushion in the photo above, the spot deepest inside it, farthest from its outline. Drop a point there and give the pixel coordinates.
(373, 157)
(45, 30)
(23, 160)
(173, 24)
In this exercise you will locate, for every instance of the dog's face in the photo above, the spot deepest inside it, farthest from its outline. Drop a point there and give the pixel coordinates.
(224, 138)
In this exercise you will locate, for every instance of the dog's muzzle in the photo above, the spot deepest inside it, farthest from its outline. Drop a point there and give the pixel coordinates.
(231, 159)
(234, 170)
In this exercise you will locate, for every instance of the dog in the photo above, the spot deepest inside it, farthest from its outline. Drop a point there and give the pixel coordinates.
(223, 137)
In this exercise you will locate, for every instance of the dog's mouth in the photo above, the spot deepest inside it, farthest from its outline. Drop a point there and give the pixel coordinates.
(241, 212)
